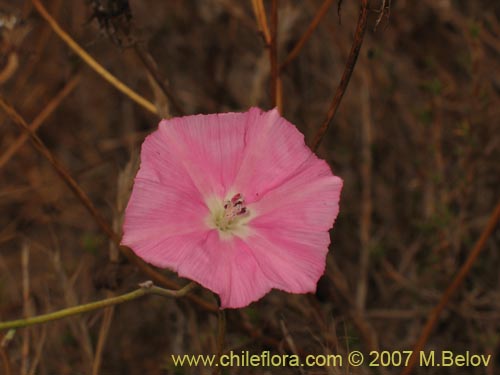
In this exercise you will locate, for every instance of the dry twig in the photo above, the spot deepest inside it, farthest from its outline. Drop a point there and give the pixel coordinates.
(260, 15)
(27, 308)
(85, 200)
(344, 81)
(273, 53)
(150, 64)
(92, 62)
(307, 34)
(385, 8)
(39, 120)
(366, 200)
(103, 334)
(433, 317)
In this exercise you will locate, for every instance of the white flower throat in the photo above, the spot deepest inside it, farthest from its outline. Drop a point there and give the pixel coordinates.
(234, 210)
(230, 215)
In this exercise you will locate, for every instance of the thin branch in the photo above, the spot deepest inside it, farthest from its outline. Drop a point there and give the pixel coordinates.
(386, 5)
(346, 76)
(57, 165)
(85, 200)
(221, 335)
(39, 120)
(145, 289)
(366, 190)
(6, 361)
(92, 62)
(27, 308)
(38, 351)
(10, 67)
(260, 16)
(36, 53)
(273, 53)
(4, 342)
(305, 37)
(279, 94)
(152, 68)
(103, 334)
(433, 317)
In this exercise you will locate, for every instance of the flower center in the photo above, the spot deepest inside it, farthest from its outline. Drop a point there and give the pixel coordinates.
(233, 211)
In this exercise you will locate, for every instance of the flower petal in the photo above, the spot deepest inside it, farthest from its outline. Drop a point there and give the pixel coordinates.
(162, 164)
(228, 268)
(274, 149)
(192, 164)
(153, 208)
(210, 147)
(291, 261)
(307, 201)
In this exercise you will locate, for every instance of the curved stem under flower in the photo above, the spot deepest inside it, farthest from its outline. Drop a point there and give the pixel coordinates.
(145, 289)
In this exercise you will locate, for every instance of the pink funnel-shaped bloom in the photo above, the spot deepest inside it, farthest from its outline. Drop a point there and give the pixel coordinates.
(235, 202)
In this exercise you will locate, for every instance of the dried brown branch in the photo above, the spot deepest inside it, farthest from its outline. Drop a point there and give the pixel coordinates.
(362, 325)
(6, 361)
(221, 337)
(39, 120)
(433, 317)
(40, 342)
(98, 68)
(103, 334)
(151, 66)
(307, 34)
(279, 94)
(77, 325)
(85, 200)
(4, 342)
(43, 37)
(366, 192)
(385, 9)
(344, 81)
(27, 307)
(260, 16)
(10, 67)
(273, 53)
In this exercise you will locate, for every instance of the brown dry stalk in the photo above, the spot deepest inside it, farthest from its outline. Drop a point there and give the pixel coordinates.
(454, 285)
(103, 334)
(279, 94)
(10, 67)
(40, 342)
(151, 66)
(366, 190)
(92, 62)
(43, 37)
(6, 361)
(39, 120)
(221, 336)
(385, 8)
(346, 76)
(85, 200)
(273, 53)
(260, 16)
(27, 311)
(305, 37)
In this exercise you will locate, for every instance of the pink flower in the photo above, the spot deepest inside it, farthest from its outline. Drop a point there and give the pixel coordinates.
(234, 201)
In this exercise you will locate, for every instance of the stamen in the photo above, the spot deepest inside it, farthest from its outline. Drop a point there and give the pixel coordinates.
(233, 210)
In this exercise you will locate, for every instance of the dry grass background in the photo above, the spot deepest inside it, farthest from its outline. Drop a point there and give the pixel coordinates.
(416, 140)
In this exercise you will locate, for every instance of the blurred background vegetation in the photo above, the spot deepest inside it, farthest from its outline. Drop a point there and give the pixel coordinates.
(416, 140)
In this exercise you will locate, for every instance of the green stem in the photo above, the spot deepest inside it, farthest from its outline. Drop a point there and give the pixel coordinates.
(145, 288)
